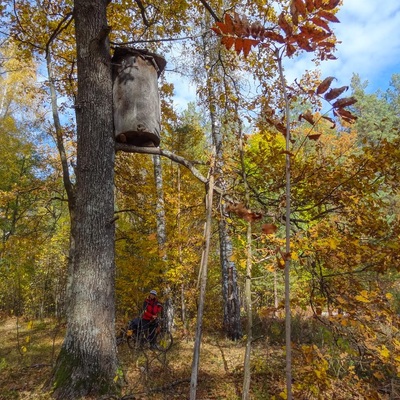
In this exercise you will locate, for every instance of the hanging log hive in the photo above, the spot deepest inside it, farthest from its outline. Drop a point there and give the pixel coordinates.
(136, 100)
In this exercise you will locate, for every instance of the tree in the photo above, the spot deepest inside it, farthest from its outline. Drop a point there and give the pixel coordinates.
(87, 362)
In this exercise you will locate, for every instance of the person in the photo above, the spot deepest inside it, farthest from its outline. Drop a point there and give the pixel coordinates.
(150, 312)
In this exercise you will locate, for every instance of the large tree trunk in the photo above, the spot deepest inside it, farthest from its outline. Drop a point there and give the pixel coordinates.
(87, 362)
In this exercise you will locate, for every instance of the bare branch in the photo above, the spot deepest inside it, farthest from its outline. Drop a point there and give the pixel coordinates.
(165, 153)
(210, 10)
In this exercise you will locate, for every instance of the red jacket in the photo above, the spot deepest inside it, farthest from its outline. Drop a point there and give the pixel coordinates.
(151, 307)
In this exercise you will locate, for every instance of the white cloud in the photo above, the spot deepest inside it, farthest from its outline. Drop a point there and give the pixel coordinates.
(370, 44)
(370, 47)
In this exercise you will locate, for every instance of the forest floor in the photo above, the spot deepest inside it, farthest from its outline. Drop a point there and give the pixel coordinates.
(29, 349)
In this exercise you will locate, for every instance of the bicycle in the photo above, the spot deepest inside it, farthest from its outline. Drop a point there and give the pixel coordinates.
(140, 339)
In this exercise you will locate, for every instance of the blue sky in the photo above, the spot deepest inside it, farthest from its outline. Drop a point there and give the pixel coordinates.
(370, 46)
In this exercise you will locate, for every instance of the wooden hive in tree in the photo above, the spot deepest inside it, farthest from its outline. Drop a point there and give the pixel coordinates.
(137, 114)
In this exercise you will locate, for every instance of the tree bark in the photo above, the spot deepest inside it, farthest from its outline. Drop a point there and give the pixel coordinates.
(87, 363)
(162, 239)
(203, 284)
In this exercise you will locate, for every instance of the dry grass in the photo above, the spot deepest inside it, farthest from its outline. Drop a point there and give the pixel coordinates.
(28, 351)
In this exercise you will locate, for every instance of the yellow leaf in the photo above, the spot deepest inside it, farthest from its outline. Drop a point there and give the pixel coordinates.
(384, 352)
(283, 395)
(27, 339)
(24, 349)
(378, 375)
(332, 243)
(389, 296)
(116, 378)
(362, 299)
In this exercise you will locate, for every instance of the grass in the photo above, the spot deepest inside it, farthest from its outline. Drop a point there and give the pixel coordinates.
(28, 351)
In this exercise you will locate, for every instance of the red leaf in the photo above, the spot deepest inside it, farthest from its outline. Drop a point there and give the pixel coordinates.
(308, 117)
(310, 5)
(334, 93)
(228, 41)
(315, 136)
(331, 5)
(274, 36)
(345, 102)
(324, 85)
(346, 115)
(282, 22)
(328, 16)
(321, 23)
(269, 229)
(304, 43)
(290, 50)
(300, 7)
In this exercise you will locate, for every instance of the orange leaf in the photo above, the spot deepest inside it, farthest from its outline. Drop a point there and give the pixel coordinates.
(327, 15)
(324, 85)
(229, 23)
(228, 41)
(269, 229)
(247, 44)
(333, 93)
(219, 28)
(318, 3)
(238, 45)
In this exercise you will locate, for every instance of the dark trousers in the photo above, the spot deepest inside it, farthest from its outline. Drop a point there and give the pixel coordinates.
(149, 326)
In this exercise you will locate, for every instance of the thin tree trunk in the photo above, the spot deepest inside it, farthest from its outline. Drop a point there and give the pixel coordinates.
(162, 237)
(249, 314)
(288, 318)
(203, 284)
(230, 289)
(249, 264)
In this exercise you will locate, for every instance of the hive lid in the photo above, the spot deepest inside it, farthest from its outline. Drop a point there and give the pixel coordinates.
(159, 62)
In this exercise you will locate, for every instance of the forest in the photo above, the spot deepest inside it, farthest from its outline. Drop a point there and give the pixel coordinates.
(265, 213)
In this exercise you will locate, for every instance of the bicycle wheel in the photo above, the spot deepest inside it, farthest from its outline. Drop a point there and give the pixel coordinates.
(163, 341)
(133, 340)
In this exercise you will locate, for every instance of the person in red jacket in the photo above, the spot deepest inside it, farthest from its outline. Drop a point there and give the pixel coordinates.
(150, 312)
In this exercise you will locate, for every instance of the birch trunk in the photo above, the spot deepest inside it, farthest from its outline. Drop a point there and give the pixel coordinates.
(162, 237)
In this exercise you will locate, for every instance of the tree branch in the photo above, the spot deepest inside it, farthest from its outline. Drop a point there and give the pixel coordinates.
(210, 10)
(165, 153)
